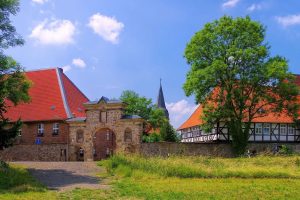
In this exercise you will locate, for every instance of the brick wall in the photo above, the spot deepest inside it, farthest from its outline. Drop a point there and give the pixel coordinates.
(29, 133)
(206, 149)
(51, 152)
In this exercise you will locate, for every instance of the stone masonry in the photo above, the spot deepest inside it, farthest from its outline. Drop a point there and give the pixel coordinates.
(100, 115)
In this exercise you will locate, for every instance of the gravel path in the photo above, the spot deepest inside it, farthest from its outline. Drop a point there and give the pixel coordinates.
(66, 175)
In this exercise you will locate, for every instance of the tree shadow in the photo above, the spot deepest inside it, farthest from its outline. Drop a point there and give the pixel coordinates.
(58, 178)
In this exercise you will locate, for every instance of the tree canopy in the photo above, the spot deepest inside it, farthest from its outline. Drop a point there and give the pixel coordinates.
(143, 107)
(13, 84)
(236, 79)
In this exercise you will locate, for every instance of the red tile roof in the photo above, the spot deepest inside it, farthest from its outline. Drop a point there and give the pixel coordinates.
(195, 118)
(53, 97)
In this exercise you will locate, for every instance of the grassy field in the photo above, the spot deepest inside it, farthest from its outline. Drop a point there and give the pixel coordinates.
(135, 177)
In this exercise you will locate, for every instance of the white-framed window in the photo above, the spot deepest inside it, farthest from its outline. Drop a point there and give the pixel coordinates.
(291, 129)
(40, 129)
(55, 129)
(258, 128)
(20, 132)
(282, 129)
(266, 129)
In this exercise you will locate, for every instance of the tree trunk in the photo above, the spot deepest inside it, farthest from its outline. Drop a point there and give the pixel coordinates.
(239, 136)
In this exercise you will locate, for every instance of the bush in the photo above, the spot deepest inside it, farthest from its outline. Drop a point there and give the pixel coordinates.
(153, 137)
(285, 150)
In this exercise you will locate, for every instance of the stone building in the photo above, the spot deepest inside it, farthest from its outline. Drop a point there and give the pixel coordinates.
(61, 124)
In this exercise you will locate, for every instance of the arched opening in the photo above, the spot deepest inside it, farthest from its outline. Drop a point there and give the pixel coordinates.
(79, 136)
(128, 135)
(104, 144)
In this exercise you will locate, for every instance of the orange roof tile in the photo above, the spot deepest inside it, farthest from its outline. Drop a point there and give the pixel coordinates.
(53, 97)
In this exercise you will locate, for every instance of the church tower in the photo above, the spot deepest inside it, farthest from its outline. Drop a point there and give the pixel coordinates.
(161, 101)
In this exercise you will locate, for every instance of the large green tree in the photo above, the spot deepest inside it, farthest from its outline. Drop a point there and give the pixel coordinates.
(13, 84)
(236, 79)
(143, 107)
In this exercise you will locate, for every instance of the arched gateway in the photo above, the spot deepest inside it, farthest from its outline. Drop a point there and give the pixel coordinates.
(104, 144)
(106, 131)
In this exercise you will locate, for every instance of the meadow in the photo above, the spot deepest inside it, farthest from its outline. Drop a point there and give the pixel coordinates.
(135, 177)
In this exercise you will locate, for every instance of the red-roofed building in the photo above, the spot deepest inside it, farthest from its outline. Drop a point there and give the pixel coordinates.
(54, 99)
(60, 123)
(269, 128)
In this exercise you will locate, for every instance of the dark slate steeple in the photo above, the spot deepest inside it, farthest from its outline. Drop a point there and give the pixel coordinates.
(161, 101)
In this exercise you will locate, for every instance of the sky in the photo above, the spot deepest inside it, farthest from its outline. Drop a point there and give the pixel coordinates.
(108, 46)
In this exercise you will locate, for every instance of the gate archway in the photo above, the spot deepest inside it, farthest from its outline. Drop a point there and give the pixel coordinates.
(104, 143)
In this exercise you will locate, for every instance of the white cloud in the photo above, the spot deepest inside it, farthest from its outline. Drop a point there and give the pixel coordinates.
(106, 27)
(66, 68)
(230, 3)
(254, 7)
(39, 1)
(289, 20)
(56, 32)
(78, 62)
(180, 111)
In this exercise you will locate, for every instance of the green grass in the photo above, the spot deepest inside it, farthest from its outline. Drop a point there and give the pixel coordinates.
(204, 167)
(16, 183)
(135, 177)
(205, 178)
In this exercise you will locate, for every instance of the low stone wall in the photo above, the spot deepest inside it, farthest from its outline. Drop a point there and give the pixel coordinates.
(51, 152)
(206, 149)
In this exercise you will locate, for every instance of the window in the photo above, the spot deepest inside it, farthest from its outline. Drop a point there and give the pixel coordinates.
(128, 135)
(40, 130)
(55, 129)
(291, 130)
(266, 129)
(103, 116)
(283, 129)
(20, 132)
(107, 135)
(79, 136)
(258, 128)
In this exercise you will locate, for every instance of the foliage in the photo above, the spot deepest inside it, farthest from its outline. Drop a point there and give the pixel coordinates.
(144, 108)
(153, 137)
(235, 79)
(285, 150)
(13, 84)
(168, 133)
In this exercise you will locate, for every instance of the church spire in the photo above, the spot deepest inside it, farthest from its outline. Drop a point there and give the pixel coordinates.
(161, 101)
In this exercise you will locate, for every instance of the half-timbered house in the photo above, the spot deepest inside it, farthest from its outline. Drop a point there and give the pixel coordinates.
(269, 128)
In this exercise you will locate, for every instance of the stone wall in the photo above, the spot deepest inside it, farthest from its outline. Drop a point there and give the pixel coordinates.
(51, 152)
(206, 149)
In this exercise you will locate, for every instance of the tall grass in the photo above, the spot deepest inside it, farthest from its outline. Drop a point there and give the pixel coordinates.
(204, 167)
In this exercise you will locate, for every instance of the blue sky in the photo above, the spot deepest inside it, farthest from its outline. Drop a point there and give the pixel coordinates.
(107, 46)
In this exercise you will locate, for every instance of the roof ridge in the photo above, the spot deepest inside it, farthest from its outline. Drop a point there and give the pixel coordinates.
(42, 69)
(63, 93)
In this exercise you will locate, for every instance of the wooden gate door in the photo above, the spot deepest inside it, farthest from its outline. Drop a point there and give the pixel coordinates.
(104, 144)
